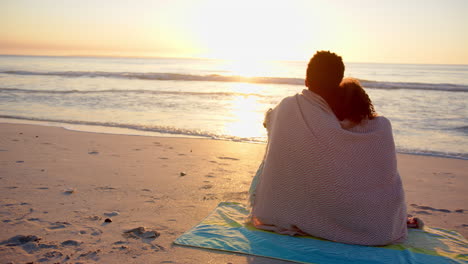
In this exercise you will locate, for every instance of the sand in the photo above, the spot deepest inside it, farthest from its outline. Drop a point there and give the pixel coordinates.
(58, 188)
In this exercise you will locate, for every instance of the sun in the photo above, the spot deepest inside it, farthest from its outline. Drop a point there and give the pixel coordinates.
(249, 31)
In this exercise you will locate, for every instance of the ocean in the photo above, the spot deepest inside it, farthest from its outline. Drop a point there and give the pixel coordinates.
(221, 99)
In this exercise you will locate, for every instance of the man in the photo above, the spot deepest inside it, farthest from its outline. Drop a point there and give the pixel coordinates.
(323, 180)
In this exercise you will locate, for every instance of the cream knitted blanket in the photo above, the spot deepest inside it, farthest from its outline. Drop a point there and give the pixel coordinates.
(327, 181)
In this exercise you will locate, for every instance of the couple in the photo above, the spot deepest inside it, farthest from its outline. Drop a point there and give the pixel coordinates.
(330, 167)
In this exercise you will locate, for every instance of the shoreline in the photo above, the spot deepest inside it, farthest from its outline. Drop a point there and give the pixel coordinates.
(115, 130)
(60, 185)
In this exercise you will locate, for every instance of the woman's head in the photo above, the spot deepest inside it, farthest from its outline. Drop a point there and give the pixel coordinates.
(353, 102)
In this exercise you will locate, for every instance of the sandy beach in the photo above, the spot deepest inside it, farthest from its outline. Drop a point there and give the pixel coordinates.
(58, 188)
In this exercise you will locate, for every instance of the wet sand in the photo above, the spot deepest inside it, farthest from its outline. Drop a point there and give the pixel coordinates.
(68, 196)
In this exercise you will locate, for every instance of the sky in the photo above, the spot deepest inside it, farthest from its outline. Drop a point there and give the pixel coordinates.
(397, 31)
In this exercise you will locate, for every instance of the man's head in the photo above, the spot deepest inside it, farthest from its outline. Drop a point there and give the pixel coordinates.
(324, 72)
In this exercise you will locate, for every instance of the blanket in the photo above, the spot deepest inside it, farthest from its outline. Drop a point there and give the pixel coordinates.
(325, 180)
(225, 229)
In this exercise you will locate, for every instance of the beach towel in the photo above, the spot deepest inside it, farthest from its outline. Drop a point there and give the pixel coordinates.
(328, 181)
(225, 229)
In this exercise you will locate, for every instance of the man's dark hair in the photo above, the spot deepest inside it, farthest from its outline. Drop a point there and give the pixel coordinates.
(324, 74)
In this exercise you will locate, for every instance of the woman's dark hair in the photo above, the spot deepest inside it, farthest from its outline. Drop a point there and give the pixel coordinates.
(353, 102)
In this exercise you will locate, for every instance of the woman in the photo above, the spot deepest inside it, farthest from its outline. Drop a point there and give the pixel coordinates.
(330, 171)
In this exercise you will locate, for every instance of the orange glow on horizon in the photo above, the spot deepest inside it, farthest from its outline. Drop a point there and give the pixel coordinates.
(243, 30)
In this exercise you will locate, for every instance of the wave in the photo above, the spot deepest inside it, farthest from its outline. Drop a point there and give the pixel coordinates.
(415, 86)
(463, 129)
(165, 76)
(223, 78)
(167, 130)
(462, 156)
(137, 91)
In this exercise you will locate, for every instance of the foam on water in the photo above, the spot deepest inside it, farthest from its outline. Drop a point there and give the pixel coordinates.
(241, 79)
(154, 130)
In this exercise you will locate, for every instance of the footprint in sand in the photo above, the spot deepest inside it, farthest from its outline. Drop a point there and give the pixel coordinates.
(224, 170)
(423, 207)
(73, 243)
(235, 195)
(112, 214)
(91, 230)
(422, 212)
(120, 242)
(207, 186)
(451, 175)
(105, 188)
(29, 243)
(58, 225)
(228, 158)
(54, 256)
(210, 196)
(93, 255)
(94, 218)
(20, 240)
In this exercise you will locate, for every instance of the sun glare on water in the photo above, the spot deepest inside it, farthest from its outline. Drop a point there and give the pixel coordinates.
(246, 117)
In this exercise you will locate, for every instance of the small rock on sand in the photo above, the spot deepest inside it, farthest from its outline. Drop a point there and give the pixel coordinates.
(108, 220)
(183, 173)
(69, 190)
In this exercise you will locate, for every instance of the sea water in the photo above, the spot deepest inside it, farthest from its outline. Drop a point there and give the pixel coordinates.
(427, 104)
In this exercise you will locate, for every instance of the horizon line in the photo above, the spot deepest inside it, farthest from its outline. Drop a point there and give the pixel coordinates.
(206, 58)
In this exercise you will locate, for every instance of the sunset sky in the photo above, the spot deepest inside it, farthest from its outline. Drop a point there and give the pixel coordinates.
(398, 31)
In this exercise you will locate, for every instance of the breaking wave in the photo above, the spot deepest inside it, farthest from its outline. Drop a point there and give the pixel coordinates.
(223, 78)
